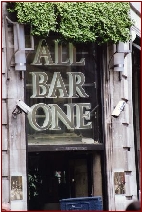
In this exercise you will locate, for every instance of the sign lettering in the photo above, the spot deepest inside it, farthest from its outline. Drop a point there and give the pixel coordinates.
(53, 113)
(43, 90)
(77, 115)
(43, 53)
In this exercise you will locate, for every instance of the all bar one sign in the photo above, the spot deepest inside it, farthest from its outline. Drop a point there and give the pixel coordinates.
(77, 115)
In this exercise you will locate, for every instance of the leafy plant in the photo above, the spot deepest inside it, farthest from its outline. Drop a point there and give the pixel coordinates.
(33, 181)
(77, 21)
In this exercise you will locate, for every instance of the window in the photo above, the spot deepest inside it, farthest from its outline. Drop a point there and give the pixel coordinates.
(63, 89)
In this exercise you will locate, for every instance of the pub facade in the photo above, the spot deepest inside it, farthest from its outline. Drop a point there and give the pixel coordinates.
(68, 129)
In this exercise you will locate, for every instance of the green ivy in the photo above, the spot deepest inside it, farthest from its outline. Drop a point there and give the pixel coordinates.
(77, 21)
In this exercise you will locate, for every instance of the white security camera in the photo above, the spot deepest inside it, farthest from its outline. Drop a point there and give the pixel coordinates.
(118, 109)
(25, 108)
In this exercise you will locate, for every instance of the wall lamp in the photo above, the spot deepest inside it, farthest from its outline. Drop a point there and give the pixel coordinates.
(19, 45)
(19, 48)
(120, 51)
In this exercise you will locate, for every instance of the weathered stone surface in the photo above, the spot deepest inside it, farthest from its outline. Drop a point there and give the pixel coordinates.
(18, 205)
(5, 190)
(118, 158)
(4, 88)
(119, 137)
(3, 35)
(125, 92)
(17, 138)
(3, 62)
(5, 164)
(4, 138)
(15, 86)
(4, 113)
(18, 162)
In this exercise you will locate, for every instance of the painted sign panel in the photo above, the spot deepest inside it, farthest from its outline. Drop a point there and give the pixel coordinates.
(119, 182)
(16, 188)
(61, 89)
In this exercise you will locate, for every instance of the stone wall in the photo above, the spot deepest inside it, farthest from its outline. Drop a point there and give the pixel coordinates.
(5, 142)
(119, 136)
(13, 128)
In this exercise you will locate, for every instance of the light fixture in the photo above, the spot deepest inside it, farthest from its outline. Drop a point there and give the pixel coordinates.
(120, 51)
(19, 45)
(118, 62)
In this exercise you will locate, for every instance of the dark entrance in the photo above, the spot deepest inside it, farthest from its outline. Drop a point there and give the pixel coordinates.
(57, 175)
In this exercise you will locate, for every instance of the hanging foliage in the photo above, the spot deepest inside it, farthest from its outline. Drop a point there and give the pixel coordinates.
(76, 21)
